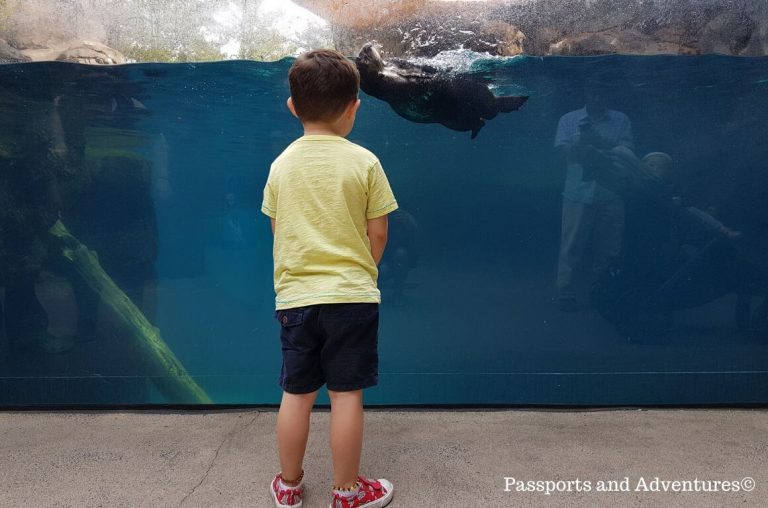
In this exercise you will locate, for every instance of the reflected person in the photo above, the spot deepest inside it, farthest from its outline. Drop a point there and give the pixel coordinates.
(592, 215)
(674, 256)
(649, 244)
(33, 158)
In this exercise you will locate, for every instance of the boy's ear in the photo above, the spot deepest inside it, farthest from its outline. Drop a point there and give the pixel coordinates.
(291, 108)
(353, 107)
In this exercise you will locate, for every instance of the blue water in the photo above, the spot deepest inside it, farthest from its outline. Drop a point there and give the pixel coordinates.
(163, 178)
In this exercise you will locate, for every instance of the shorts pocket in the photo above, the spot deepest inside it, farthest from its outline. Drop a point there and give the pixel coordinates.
(289, 318)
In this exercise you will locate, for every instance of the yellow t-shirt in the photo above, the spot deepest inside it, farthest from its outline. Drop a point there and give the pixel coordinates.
(321, 191)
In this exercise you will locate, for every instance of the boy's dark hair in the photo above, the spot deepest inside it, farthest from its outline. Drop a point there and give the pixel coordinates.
(323, 83)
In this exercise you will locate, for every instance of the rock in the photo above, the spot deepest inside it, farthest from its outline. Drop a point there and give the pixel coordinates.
(9, 54)
(429, 32)
(728, 34)
(364, 14)
(600, 43)
(758, 41)
(93, 53)
(42, 54)
(541, 27)
(508, 39)
(413, 28)
(616, 42)
(77, 51)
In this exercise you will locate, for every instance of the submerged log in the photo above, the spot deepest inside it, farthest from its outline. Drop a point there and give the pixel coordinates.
(173, 380)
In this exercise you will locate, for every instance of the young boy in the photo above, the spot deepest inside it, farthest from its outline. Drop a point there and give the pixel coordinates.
(328, 201)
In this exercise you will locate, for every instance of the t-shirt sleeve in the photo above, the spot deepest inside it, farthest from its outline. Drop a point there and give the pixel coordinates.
(269, 203)
(381, 200)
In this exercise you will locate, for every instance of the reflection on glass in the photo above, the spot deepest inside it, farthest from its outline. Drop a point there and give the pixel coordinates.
(624, 266)
(593, 213)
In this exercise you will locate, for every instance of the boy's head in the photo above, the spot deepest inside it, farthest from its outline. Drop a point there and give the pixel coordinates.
(323, 85)
(659, 164)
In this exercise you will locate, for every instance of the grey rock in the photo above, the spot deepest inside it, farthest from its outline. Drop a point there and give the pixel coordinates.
(94, 53)
(617, 42)
(10, 54)
(427, 35)
(569, 27)
(728, 33)
(758, 42)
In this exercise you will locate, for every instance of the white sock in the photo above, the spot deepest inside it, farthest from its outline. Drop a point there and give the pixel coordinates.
(284, 486)
(348, 493)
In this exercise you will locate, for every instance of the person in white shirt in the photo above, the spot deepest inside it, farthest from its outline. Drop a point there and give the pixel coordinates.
(593, 216)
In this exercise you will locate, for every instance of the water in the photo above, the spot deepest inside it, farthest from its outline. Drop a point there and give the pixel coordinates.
(160, 170)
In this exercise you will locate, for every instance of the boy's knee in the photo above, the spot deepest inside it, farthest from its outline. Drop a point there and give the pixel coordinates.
(299, 399)
(346, 396)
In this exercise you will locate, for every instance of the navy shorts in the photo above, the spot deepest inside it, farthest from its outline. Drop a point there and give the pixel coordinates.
(331, 344)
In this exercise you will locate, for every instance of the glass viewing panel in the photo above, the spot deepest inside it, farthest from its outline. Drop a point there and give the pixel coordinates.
(136, 266)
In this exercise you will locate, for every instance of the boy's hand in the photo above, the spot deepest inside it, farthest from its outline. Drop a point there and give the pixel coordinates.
(377, 234)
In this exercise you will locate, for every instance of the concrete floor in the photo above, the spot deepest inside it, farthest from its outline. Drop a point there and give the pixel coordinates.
(434, 458)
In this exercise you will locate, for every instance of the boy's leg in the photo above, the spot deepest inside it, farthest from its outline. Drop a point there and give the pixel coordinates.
(346, 436)
(293, 432)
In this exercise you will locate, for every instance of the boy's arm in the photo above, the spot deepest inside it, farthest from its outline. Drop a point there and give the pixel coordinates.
(377, 234)
(272, 221)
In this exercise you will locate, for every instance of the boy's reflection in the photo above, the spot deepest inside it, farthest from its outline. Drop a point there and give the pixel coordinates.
(675, 256)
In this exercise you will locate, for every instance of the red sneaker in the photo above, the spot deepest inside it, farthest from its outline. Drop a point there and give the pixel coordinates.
(372, 494)
(286, 497)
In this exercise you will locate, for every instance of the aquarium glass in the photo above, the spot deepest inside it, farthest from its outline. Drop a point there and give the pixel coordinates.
(155, 286)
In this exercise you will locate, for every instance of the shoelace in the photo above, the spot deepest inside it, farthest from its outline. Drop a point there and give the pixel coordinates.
(373, 483)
